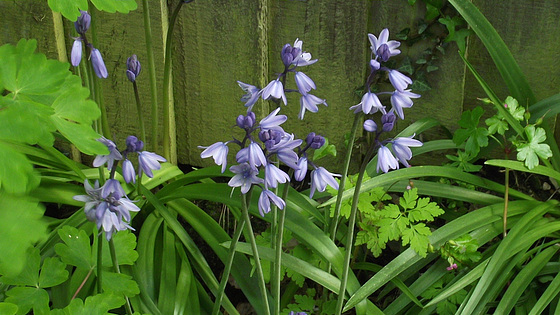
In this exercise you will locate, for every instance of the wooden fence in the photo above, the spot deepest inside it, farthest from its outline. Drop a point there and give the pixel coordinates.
(219, 42)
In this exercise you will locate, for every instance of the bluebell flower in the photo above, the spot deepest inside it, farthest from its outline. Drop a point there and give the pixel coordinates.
(320, 178)
(382, 47)
(252, 154)
(402, 99)
(83, 22)
(253, 94)
(108, 206)
(273, 175)
(303, 58)
(264, 201)
(98, 64)
(401, 147)
(128, 171)
(218, 151)
(370, 125)
(245, 177)
(133, 68)
(297, 313)
(271, 137)
(149, 161)
(399, 81)
(114, 154)
(274, 89)
(272, 121)
(304, 83)
(92, 197)
(301, 170)
(385, 160)
(370, 104)
(309, 102)
(246, 121)
(76, 53)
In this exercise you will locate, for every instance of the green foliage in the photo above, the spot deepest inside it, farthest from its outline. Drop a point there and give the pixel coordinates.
(475, 137)
(326, 150)
(22, 223)
(449, 305)
(402, 221)
(308, 302)
(461, 251)
(99, 304)
(70, 9)
(530, 150)
(462, 162)
(31, 283)
(367, 198)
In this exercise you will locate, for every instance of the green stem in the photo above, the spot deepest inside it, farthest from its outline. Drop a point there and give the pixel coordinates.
(350, 234)
(169, 131)
(276, 280)
(227, 267)
(152, 74)
(333, 224)
(262, 284)
(100, 263)
(139, 110)
(117, 269)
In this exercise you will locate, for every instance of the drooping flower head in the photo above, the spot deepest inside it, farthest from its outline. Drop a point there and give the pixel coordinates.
(98, 64)
(245, 177)
(265, 198)
(252, 96)
(109, 159)
(320, 178)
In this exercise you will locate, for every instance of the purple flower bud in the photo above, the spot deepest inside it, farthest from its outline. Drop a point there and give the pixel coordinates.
(271, 137)
(246, 122)
(76, 54)
(133, 68)
(83, 22)
(388, 121)
(315, 141)
(383, 52)
(133, 144)
(98, 64)
(370, 125)
(288, 55)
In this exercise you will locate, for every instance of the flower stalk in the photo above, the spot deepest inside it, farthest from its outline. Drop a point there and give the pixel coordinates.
(151, 74)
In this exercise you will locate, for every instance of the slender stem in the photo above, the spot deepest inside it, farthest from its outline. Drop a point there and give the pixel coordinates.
(350, 233)
(117, 269)
(139, 110)
(169, 132)
(262, 284)
(152, 74)
(506, 201)
(82, 284)
(334, 222)
(100, 263)
(276, 280)
(227, 267)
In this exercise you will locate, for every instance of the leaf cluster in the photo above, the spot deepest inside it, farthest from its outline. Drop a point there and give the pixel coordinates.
(404, 221)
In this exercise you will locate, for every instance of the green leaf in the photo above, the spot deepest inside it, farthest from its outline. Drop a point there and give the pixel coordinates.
(406, 66)
(99, 304)
(53, 272)
(27, 298)
(431, 12)
(326, 150)
(8, 308)
(119, 283)
(514, 109)
(22, 225)
(76, 250)
(25, 121)
(530, 152)
(125, 244)
(496, 125)
(417, 237)
(70, 9)
(112, 6)
(30, 274)
(474, 136)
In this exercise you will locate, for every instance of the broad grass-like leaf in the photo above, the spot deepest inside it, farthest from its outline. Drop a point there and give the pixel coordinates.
(464, 224)
(519, 166)
(546, 298)
(506, 64)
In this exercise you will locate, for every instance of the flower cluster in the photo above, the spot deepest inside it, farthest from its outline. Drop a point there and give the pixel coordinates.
(383, 49)
(263, 144)
(108, 205)
(82, 24)
(292, 58)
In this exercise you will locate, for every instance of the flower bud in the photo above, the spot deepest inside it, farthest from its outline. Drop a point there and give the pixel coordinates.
(83, 22)
(98, 64)
(388, 121)
(246, 122)
(133, 68)
(370, 125)
(315, 141)
(133, 144)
